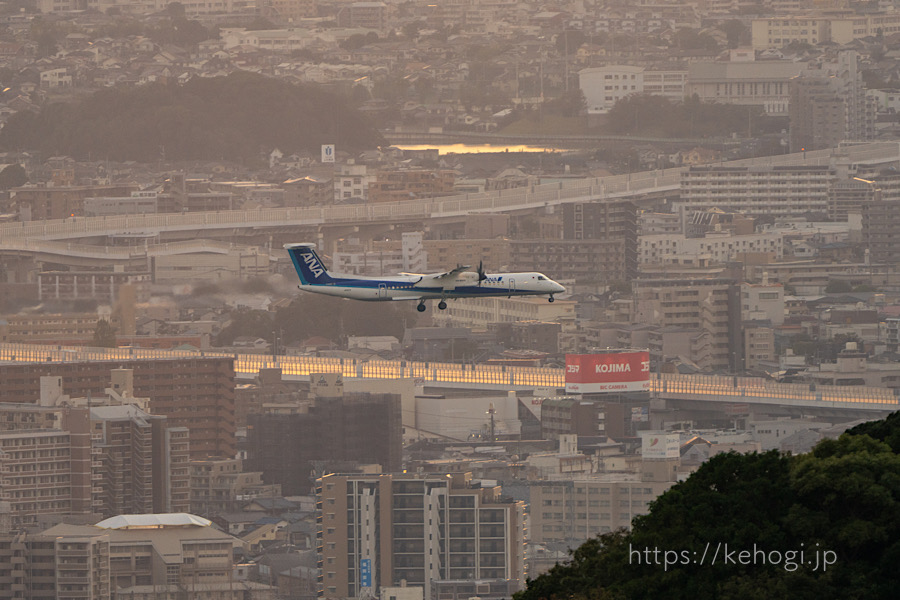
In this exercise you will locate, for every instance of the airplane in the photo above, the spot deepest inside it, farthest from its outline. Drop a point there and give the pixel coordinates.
(460, 282)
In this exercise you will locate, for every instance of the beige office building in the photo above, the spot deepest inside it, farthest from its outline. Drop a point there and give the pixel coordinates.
(756, 83)
(840, 28)
(583, 508)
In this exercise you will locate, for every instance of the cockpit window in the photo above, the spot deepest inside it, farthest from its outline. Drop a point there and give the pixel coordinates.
(541, 278)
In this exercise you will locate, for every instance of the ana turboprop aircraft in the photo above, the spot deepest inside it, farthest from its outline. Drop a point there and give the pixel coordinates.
(461, 282)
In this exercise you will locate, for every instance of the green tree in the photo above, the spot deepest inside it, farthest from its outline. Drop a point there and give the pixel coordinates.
(104, 335)
(13, 176)
(312, 315)
(843, 499)
(218, 118)
(260, 23)
(886, 430)
(691, 39)
(736, 32)
(569, 41)
(411, 29)
(569, 104)
(246, 323)
(47, 34)
(838, 286)
(358, 40)
(175, 10)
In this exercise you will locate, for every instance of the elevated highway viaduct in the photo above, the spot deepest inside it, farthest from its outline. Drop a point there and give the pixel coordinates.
(96, 237)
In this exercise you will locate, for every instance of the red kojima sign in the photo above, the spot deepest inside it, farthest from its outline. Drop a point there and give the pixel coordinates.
(613, 372)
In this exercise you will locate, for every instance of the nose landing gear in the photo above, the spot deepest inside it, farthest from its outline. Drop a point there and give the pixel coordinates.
(551, 298)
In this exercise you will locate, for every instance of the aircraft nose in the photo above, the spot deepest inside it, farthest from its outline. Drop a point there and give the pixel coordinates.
(559, 289)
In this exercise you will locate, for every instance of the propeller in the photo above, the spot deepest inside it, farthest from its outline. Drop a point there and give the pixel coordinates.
(481, 275)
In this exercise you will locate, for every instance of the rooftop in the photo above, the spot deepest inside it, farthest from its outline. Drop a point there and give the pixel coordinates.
(159, 521)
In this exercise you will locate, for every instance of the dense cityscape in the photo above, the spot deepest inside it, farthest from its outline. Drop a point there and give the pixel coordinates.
(707, 408)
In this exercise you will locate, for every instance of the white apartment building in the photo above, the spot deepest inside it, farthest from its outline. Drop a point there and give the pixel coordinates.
(886, 100)
(382, 258)
(716, 247)
(762, 302)
(787, 191)
(670, 84)
(351, 181)
(604, 86)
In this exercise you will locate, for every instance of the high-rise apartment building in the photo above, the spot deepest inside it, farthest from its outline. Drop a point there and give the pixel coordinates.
(38, 475)
(359, 428)
(848, 196)
(881, 230)
(712, 305)
(598, 245)
(140, 463)
(194, 393)
(65, 458)
(830, 105)
(379, 530)
(785, 191)
(217, 485)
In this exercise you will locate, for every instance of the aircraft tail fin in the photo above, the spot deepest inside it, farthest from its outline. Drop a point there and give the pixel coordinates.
(309, 266)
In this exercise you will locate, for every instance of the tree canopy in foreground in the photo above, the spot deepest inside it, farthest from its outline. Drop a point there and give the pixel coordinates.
(838, 504)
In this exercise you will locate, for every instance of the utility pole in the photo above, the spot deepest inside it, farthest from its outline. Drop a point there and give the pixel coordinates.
(491, 412)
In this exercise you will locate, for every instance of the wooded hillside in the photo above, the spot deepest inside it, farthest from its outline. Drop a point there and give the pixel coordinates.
(240, 117)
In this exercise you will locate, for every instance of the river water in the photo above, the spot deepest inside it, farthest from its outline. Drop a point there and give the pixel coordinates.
(477, 148)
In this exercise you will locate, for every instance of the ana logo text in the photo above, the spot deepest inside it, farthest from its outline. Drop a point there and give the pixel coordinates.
(314, 265)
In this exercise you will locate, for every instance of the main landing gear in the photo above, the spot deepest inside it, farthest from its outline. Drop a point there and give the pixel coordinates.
(421, 306)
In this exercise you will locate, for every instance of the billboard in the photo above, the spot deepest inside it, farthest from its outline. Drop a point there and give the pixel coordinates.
(611, 372)
(655, 444)
(327, 153)
(365, 572)
(640, 414)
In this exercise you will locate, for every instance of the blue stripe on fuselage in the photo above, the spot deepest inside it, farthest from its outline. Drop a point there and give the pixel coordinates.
(393, 285)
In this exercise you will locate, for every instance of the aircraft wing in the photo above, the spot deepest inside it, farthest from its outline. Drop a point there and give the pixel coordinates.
(451, 274)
